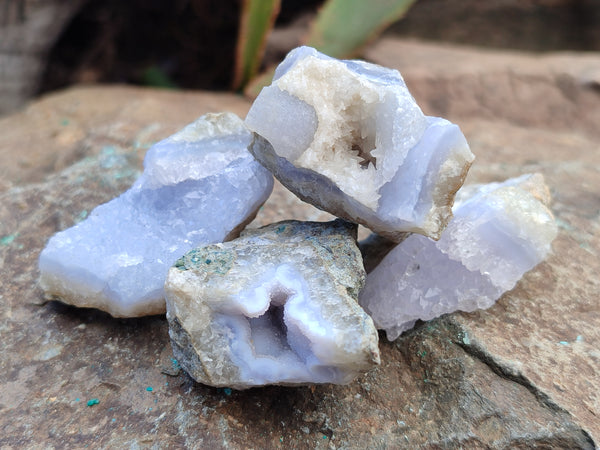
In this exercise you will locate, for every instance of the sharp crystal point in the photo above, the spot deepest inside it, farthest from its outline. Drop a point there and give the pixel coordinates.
(499, 232)
(198, 186)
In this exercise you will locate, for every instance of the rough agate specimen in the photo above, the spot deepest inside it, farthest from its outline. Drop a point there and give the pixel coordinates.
(499, 232)
(348, 137)
(199, 186)
(276, 306)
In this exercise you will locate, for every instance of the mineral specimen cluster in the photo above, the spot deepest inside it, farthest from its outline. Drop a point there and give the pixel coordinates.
(283, 304)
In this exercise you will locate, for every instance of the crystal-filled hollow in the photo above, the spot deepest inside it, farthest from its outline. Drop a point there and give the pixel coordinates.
(348, 137)
(278, 305)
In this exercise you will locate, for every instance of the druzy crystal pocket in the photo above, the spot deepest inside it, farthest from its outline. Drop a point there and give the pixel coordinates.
(348, 137)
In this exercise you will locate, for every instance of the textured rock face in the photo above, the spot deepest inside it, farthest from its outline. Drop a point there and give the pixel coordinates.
(198, 187)
(348, 137)
(276, 306)
(499, 232)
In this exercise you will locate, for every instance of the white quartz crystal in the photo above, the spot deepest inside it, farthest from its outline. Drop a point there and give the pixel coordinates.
(348, 137)
(499, 232)
(276, 306)
(199, 186)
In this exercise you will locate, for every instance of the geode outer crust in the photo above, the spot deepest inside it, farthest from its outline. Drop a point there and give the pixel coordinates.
(276, 306)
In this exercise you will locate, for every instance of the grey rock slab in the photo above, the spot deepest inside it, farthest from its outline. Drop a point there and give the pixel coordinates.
(278, 305)
(199, 186)
(347, 137)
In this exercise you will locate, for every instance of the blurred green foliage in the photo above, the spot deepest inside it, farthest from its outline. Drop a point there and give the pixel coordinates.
(341, 29)
(256, 21)
(156, 77)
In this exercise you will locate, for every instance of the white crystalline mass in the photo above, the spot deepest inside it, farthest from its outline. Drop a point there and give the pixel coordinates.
(198, 186)
(499, 232)
(276, 306)
(348, 137)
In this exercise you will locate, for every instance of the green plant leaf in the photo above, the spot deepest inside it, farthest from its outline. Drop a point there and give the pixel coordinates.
(343, 27)
(255, 85)
(256, 21)
(156, 77)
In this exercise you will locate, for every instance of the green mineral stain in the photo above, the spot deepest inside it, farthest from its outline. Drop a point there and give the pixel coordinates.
(124, 174)
(149, 389)
(210, 259)
(8, 239)
(423, 354)
(280, 229)
(65, 122)
(93, 401)
(352, 292)
(563, 343)
(81, 216)
(110, 158)
(465, 339)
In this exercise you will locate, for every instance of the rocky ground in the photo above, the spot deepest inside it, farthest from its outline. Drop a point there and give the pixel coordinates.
(523, 373)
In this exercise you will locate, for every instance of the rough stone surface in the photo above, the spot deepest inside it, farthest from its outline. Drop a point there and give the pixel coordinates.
(57, 131)
(357, 145)
(278, 305)
(499, 231)
(556, 91)
(199, 186)
(513, 376)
